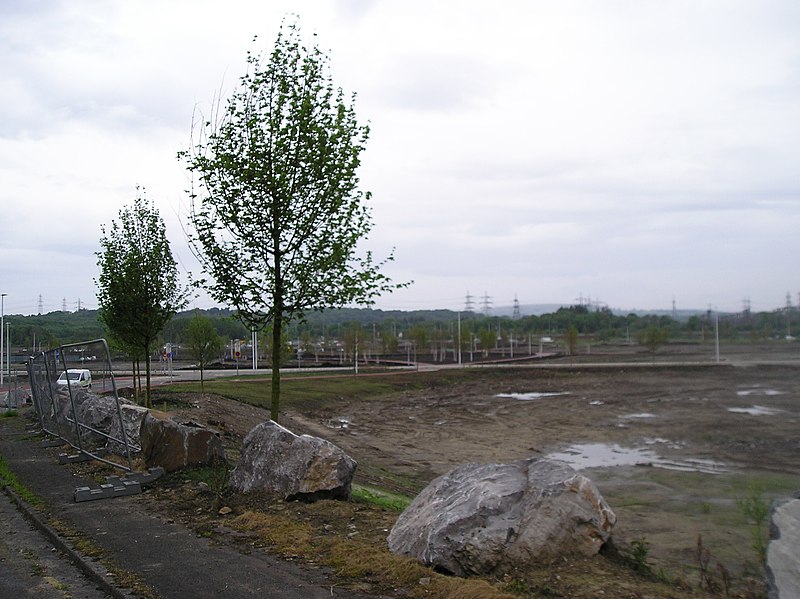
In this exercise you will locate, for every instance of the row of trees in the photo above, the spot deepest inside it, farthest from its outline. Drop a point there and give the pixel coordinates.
(29, 334)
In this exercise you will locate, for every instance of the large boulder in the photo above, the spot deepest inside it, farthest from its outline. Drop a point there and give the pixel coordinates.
(15, 398)
(132, 417)
(63, 403)
(494, 518)
(97, 412)
(298, 467)
(173, 445)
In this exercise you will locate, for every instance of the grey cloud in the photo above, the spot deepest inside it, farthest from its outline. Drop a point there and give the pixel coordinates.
(437, 83)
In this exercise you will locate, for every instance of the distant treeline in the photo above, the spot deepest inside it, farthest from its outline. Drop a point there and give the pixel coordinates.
(55, 328)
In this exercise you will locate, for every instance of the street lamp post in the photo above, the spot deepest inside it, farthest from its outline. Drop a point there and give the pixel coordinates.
(2, 328)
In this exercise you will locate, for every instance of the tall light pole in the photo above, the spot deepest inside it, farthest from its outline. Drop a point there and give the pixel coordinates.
(459, 338)
(2, 327)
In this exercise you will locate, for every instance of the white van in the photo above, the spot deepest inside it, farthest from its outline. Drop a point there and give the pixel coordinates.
(76, 376)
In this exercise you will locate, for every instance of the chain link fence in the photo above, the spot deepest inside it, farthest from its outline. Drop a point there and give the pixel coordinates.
(75, 396)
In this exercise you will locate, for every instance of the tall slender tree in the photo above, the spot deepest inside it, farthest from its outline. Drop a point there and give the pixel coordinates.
(204, 343)
(276, 212)
(138, 289)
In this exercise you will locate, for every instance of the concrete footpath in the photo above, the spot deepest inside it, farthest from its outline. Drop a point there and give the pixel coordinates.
(170, 559)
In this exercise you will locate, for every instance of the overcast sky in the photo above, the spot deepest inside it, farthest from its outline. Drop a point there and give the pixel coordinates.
(634, 152)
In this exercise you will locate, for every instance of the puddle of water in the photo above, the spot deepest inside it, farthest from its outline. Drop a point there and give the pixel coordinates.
(642, 415)
(593, 455)
(529, 396)
(756, 411)
(598, 455)
(767, 392)
(659, 440)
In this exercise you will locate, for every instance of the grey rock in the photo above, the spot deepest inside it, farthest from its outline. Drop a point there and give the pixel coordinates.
(783, 559)
(97, 412)
(15, 398)
(494, 518)
(132, 417)
(297, 467)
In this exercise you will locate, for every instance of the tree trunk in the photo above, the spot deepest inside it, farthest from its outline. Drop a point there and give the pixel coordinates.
(277, 324)
(133, 379)
(147, 402)
(202, 383)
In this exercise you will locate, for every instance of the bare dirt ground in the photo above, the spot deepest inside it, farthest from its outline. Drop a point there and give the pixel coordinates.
(700, 436)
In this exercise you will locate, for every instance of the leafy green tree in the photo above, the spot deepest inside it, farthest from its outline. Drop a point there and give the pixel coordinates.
(487, 339)
(138, 289)
(571, 339)
(389, 341)
(204, 343)
(276, 211)
(419, 335)
(653, 337)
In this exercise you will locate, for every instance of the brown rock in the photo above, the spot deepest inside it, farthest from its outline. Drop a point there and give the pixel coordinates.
(173, 445)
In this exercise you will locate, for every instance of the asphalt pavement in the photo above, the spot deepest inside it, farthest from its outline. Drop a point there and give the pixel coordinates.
(172, 560)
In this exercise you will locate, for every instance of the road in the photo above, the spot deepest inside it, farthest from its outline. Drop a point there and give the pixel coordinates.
(31, 567)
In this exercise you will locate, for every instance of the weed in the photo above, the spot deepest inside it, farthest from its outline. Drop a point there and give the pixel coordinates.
(516, 586)
(380, 498)
(713, 579)
(9, 414)
(636, 556)
(7, 478)
(756, 508)
(215, 475)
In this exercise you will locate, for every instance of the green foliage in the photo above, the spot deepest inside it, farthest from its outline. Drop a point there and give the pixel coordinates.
(636, 555)
(138, 290)
(204, 343)
(50, 330)
(653, 337)
(275, 207)
(380, 498)
(756, 509)
(9, 414)
(215, 475)
(9, 479)
(487, 339)
(571, 339)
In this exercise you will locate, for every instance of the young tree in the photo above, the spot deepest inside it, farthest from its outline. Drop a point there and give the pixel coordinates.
(275, 210)
(653, 337)
(138, 290)
(571, 339)
(204, 343)
(487, 338)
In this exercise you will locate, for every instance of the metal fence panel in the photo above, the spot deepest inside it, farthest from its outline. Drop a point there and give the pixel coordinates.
(75, 395)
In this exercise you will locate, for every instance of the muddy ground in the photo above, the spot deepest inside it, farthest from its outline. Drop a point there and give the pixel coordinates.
(697, 438)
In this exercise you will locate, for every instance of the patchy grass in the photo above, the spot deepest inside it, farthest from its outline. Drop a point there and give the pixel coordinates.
(380, 498)
(315, 390)
(125, 579)
(349, 538)
(9, 413)
(8, 479)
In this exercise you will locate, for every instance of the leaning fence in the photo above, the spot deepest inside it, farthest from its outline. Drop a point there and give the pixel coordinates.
(75, 396)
